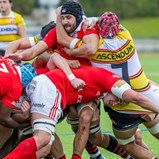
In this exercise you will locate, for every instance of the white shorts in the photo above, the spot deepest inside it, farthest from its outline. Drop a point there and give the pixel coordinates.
(45, 97)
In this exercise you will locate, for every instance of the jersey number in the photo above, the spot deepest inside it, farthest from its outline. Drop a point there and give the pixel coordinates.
(3, 68)
(124, 67)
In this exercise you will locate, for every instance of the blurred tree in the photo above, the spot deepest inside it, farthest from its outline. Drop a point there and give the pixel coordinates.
(123, 8)
(23, 6)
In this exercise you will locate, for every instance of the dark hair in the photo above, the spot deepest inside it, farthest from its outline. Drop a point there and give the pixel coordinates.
(46, 28)
(73, 8)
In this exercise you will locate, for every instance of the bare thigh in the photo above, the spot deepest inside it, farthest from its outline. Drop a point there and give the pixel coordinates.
(5, 134)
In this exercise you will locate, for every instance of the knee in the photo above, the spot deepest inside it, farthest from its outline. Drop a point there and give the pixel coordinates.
(43, 139)
(46, 150)
(85, 118)
(138, 137)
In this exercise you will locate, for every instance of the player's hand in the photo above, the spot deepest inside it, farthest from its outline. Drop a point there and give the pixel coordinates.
(73, 63)
(58, 11)
(89, 23)
(10, 61)
(25, 108)
(68, 51)
(15, 56)
(148, 117)
(86, 25)
(77, 83)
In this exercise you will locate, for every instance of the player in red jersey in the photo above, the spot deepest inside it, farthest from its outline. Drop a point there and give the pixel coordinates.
(59, 92)
(12, 80)
(50, 40)
(26, 42)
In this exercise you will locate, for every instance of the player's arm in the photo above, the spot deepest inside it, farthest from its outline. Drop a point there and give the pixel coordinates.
(21, 27)
(57, 60)
(7, 120)
(22, 31)
(30, 53)
(16, 45)
(123, 91)
(88, 47)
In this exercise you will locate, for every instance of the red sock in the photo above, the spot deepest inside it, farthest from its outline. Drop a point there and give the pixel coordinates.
(63, 157)
(25, 149)
(76, 157)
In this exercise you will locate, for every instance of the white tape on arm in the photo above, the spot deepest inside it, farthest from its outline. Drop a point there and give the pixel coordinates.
(73, 43)
(118, 91)
(71, 77)
(32, 41)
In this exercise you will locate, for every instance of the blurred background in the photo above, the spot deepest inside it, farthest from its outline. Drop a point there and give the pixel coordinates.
(141, 17)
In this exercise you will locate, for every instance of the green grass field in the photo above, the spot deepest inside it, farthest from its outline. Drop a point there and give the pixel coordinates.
(150, 63)
(142, 27)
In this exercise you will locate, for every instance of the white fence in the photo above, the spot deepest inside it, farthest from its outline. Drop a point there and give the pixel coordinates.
(147, 45)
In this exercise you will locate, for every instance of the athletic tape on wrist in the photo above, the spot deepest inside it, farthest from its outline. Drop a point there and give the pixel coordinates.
(73, 43)
(71, 77)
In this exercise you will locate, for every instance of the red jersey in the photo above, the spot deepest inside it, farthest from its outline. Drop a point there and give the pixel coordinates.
(98, 81)
(51, 40)
(10, 83)
(79, 33)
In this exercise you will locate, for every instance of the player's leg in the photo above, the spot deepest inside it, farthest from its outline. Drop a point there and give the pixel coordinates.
(108, 142)
(10, 137)
(127, 141)
(85, 116)
(72, 119)
(97, 138)
(93, 151)
(56, 149)
(139, 139)
(42, 140)
(153, 127)
(5, 134)
(94, 128)
(124, 127)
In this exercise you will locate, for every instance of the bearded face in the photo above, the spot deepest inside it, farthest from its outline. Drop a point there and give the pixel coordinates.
(69, 23)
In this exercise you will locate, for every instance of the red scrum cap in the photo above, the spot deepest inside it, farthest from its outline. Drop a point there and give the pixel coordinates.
(108, 25)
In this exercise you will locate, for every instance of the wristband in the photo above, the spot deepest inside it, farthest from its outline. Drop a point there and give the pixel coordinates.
(32, 41)
(73, 43)
(71, 77)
